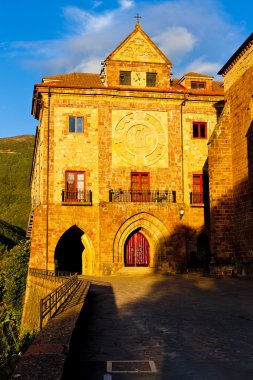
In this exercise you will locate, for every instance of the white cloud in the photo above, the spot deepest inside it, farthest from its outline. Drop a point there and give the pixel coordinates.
(201, 66)
(126, 4)
(96, 4)
(184, 30)
(92, 65)
(175, 42)
(82, 21)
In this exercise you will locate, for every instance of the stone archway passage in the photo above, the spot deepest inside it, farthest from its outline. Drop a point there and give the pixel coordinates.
(137, 251)
(69, 249)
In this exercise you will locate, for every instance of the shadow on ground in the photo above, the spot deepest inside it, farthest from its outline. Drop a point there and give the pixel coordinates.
(192, 327)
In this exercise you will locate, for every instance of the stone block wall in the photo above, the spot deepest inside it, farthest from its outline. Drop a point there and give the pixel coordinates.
(221, 190)
(36, 289)
(230, 165)
(108, 151)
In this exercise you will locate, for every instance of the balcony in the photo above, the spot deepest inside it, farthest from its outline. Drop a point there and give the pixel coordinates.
(142, 196)
(81, 198)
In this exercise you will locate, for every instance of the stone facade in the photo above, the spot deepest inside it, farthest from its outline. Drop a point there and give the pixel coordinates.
(140, 130)
(230, 164)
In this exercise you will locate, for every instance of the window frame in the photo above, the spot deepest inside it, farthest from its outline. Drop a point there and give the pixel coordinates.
(199, 124)
(197, 196)
(122, 79)
(76, 118)
(138, 195)
(151, 83)
(76, 195)
(198, 85)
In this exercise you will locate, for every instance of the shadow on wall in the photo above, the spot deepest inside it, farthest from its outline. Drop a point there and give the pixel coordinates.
(186, 248)
(249, 137)
(69, 249)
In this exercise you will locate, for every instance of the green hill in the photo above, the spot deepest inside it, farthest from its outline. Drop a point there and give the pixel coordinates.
(15, 167)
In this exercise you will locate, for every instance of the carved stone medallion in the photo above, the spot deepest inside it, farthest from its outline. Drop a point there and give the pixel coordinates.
(139, 139)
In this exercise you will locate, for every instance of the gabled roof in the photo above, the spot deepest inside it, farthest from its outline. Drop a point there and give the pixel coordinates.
(84, 80)
(129, 49)
(217, 87)
(197, 75)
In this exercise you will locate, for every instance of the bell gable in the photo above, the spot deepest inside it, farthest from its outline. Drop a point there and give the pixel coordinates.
(137, 62)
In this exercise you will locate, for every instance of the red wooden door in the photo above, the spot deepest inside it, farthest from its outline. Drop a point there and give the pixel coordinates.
(137, 251)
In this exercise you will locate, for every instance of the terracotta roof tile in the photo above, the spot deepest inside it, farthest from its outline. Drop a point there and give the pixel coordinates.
(175, 84)
(217, 87)
(191, 74)
(75, 79)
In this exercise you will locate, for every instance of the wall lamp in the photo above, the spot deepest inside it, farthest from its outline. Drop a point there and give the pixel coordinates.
(181, 213)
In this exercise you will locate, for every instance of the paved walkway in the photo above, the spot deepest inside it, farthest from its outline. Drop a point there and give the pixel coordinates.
(187, 327)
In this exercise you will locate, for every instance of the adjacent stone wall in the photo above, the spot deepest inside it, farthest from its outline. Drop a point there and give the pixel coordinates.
(221, 190)
(230, 167)
(36, 289)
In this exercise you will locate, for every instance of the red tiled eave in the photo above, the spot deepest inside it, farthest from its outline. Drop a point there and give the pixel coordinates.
(126, 88)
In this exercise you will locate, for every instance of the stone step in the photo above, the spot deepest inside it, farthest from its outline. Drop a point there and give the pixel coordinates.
(135, 270)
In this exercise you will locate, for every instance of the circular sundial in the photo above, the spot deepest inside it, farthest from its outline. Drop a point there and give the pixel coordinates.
(140, 139)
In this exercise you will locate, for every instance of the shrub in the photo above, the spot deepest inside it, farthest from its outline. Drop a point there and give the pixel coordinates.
(14, 275)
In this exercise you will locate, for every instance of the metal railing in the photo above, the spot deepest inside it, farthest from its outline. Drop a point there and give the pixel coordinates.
(142, 196)
(83, 197)
(51, 303)
(51, 274)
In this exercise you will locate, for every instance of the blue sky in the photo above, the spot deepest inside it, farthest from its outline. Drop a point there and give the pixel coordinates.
(55, 37)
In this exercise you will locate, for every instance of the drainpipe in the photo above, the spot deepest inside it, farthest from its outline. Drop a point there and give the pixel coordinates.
(47, 183)
(182, 145)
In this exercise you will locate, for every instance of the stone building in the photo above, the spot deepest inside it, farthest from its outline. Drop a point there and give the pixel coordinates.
(231, 166)
(119, 173)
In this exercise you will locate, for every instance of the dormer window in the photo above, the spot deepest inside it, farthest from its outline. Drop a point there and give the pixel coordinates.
(125, 78)
(196, 85)
(151, 79)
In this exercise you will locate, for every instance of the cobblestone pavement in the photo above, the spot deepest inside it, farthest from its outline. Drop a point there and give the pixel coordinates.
(191, 327)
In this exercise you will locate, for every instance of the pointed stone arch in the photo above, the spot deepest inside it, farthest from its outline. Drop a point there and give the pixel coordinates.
(88, 256)
(69, 250)
(150, 226)
(74, 252)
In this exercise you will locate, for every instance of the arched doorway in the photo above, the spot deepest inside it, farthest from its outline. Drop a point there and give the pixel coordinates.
(136, 250)
(148, 225)
(68, 252)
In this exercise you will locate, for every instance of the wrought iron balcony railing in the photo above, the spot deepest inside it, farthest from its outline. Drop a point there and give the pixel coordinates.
(142, 196)
(82, 197)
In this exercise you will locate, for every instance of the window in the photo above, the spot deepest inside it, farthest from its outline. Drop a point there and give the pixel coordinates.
(198, 85)
(197, 189)
(199, 130)
(140, 187)
(125, 78)
(75, 124)
(74, 187)
(151, 79)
